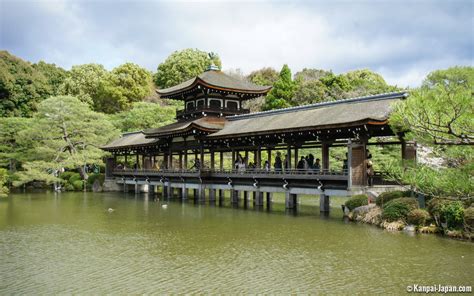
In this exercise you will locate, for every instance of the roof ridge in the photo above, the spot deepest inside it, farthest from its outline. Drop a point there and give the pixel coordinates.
(131, 133)
(382, 96)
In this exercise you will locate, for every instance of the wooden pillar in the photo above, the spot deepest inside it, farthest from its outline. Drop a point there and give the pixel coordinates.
(202, 157)
(184, 193)
(212, 195)
(137, 160)
(170, 159)
(358, 165)
(259, 158)
(180, 160)
(325, 155)
(324, 203)
(246, 158)
(246, 199)
(269, 200)
(296, 157)
(185, 159)
(221, 197)
(288, 153)
(290, 200)
(234, 196)
(221, 159)
(258, 199)
(126, 159)
(212, 159)
(233, 159)
(269, 157)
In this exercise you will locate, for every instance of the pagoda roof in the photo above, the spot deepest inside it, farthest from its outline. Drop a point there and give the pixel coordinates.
(343, 113)
(205, 124)
(217, 80)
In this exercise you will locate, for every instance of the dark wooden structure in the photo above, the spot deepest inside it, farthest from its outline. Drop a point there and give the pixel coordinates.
(214, 125)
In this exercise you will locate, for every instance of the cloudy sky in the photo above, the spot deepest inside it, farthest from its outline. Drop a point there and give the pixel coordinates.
(402, 40)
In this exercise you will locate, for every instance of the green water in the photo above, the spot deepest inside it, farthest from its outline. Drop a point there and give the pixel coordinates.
(70, 243)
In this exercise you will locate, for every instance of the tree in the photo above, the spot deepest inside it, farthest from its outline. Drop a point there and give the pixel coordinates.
(11, 152)
(55, 76)
(265, 76)
(365, 82)
(183, 65)
(65, 133)
(308, 74)
(441, 111)
(309, 92)
(282, 92)
(126, 84)
(84, 82)
(22, 87)
(142, 116)
(3, 179)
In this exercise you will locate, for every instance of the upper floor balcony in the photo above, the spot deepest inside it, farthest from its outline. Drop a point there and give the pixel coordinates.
(223, 111)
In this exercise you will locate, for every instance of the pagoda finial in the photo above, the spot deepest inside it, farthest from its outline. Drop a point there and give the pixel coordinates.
(212, 66)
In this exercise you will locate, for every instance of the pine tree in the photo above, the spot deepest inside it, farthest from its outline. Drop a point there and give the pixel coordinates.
(282, 92)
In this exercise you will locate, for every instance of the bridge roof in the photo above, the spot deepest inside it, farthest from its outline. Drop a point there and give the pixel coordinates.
(128, 140)
(214, 79)
(343, 113)
(205, 124)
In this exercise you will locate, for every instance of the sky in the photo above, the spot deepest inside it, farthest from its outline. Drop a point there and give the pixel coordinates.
(401, 40)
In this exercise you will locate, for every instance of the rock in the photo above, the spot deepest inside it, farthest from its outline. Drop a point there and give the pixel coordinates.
(409, 228)
(393, 226)
(96, 186)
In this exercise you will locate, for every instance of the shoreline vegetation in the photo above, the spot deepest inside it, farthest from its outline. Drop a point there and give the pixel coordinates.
(399, 211)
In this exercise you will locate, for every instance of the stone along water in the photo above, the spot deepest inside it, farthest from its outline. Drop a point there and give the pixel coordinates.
(70, 243)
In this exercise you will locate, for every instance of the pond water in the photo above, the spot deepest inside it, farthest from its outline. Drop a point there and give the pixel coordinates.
(70, 243)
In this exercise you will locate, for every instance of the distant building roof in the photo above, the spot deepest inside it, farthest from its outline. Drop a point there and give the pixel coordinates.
(318, 116)
(214, 79)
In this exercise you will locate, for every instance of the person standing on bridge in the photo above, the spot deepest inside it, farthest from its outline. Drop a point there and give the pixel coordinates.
(278, 164)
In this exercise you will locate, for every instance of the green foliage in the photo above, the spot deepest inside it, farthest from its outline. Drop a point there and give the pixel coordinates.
(74, 177)
(398, 209)
(55, 76)
(385, 197)
(356, 201)
(11, 152)
(469, 219)
(456, 182)
(282, 92)
(22, 87)
(84, 82)
(126, 84)
(65, 133)
(183, 65)
(265, 76)
(143, 116)
(453, 212)
(441, 111)
(3, 180)
(92, 178)
(418, 217)
(78, 185)
(67, 175)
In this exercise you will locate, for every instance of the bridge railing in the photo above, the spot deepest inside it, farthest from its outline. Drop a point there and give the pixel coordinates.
(247, 171)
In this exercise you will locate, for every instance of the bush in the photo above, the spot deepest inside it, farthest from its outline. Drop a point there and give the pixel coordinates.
(418, 217)
(67, 175)
(75, 177)
(69, 187)
(78, 185)
(469, 218)
(385, 197)
(356, 201)
(447, 210)
(398, 208)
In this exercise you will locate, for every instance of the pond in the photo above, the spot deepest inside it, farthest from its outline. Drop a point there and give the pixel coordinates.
(71, 243)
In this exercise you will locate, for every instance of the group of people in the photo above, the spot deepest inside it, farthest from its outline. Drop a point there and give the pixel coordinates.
(307, 163)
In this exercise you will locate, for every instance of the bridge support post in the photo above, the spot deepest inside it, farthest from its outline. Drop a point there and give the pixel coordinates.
(258, 199)
(137, 188)
(212, 195)
(234, 196)
(221, 197)
(290, 200)
(184, 192)
(169, 191)
(151, 189)
(246, 199)
(125, 187)
(269, 200)
(164, 192)
(324, 203)
(202, 193)
(195, 195)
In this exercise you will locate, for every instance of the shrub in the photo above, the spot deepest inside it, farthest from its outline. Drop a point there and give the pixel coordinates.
(356, 201)
(418, 217)
(93, 177)
(398, 208)
(469, 218)
(446, 210)
(78, 185)
(453, 212)
(385, 197)
(69, 187)
(67, 175)
(75, 177)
